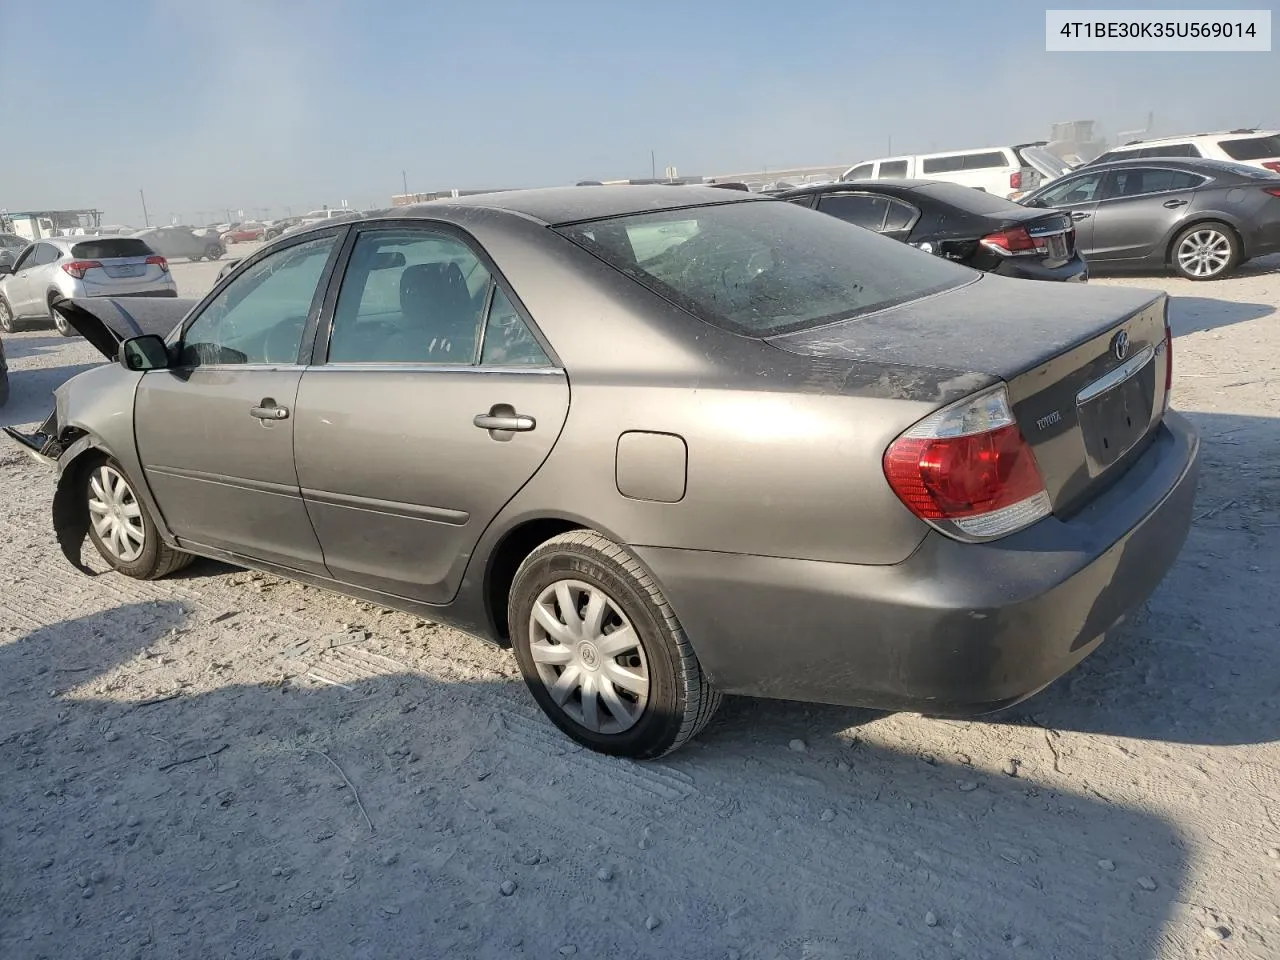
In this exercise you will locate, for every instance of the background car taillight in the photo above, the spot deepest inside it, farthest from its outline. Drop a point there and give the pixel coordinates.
(1274, 191)
(968, 470)
(1015, 242)
(1015, 180)
(78, 268)
(159, 261)
(1273, 165)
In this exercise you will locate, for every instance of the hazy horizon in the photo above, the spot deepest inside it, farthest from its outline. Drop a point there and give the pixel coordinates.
(252, 105)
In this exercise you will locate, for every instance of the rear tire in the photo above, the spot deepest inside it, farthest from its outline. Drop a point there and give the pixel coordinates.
(59, 321)
(7, 322)
(1205, 251)
(121, 528)
(214, 252)
(635, 687)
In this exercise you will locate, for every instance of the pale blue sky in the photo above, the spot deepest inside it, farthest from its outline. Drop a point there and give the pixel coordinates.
(259, 103)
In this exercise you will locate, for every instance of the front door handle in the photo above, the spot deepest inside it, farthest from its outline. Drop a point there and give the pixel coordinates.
(268, 409)
(514, 422)
(1080, 216)
(1173, 204)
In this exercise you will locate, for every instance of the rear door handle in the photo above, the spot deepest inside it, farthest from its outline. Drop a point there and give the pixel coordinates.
(513, 422)
(268, 409)
(1173, 204)
(1080, 216)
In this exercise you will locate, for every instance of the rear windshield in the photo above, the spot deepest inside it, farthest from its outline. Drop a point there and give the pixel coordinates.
(108, 248)
(764, 268)
(1254, 148)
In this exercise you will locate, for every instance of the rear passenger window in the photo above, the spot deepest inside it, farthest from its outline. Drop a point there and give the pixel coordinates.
(507, 340)
(1136, 183)
(862, 172)
(985, 161)
(894, 169)
(409, 297)
(942, 165)
(1170, 150)
(861, 209)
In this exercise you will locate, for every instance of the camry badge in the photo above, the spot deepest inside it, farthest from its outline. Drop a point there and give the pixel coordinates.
(1120, 345)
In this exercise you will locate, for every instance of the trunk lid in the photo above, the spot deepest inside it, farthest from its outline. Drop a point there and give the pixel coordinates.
(108, 321)
(1087, 407)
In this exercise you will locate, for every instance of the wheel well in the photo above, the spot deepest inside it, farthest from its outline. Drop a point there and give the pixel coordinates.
(1168, 254)
(507, 557)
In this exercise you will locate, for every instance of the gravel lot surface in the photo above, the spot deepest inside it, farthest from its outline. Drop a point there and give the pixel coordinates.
(229, 765)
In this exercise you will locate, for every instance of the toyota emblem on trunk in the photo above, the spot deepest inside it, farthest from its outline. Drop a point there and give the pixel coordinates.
(1120, 345)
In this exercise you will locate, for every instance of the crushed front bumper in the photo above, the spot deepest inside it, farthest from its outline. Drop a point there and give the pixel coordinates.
(41, 444)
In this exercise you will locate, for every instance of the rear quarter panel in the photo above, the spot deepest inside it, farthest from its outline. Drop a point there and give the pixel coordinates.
(784, 452)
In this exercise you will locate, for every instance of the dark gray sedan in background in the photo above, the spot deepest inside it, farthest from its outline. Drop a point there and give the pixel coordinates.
(1202, 218)
(666, 442)
(178, 241)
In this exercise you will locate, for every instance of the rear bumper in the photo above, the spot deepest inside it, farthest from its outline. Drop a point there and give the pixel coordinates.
(1074, 270)
(956, 628)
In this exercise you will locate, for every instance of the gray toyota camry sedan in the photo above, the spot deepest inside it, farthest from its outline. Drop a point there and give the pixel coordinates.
(666, 442)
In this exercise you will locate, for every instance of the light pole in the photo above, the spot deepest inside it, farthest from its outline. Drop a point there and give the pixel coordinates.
(146, 220)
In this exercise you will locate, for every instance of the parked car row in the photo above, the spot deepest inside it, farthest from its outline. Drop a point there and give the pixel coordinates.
(1201, 218)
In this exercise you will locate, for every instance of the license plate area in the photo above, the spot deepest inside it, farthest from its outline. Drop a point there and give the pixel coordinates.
(1114, 418)
(1058, 247)
(126, 271)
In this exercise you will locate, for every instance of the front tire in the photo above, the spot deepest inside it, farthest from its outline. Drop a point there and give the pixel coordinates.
(121, 528)
(1205, 251)
(602, 651)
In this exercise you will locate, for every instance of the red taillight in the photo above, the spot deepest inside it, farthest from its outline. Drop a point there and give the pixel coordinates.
(1015, 180)
(969, 466)
(1274, 191)
(78, 268)
(1273, 165)
(159, 261)
(1015, 241)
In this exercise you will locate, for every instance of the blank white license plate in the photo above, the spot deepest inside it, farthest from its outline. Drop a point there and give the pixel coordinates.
(121, 272)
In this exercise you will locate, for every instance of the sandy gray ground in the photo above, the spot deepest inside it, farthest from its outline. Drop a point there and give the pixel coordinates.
(1128, 812)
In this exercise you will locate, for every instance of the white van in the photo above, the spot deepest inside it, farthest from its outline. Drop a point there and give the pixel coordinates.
(998, 170)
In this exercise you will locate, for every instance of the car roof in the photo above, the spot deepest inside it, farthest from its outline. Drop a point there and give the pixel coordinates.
(1187, 137)
(554, 206)
(1196, 164)
(839, 186)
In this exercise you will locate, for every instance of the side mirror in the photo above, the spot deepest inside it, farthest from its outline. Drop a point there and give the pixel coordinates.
(148, 352)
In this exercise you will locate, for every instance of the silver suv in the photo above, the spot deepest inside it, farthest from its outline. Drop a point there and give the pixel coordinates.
(65, 268)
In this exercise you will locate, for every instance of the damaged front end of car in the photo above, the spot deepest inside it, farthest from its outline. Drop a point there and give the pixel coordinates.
(93, 411)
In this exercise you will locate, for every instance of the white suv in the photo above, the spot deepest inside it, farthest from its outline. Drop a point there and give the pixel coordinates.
(1257, 148)
(1003, 171)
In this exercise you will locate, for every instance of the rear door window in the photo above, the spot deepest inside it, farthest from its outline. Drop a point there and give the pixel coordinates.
(899, 216)
(46, 253)
(1171, 150)
(1142, 181)
(893, 169)
(110, 248)
(941, 164)
(862, 209)
(985, 161)
(1253, 148)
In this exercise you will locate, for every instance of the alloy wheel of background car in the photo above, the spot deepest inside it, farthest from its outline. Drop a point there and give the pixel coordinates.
(601, 650)
(1205, 251)
(214, 253)
(121, 528)
(7, 324)
(59, 321)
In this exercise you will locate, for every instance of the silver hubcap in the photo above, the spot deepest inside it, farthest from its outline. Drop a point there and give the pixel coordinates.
(116, 514)
(589, 657)
(1204, 253)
